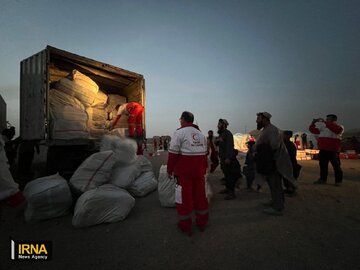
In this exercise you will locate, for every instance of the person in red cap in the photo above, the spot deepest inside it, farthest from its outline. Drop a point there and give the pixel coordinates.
(187, 163)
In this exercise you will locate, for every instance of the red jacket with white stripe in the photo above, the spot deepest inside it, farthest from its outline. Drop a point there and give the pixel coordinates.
(187, 152)
(329, 138)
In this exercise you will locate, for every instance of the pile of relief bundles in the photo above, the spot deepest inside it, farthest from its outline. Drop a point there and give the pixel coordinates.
(98, 125)
(47, 197)
(131, 172)
(79, 86)
(93, 172)
(69, 118)
(67, 106)
(105, 179)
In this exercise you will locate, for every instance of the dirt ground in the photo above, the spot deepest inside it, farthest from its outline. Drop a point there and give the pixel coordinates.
(320, 229)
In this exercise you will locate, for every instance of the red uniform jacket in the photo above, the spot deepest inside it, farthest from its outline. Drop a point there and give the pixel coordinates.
(329, 136)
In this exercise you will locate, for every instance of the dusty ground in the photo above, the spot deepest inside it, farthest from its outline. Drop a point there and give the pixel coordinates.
(320, 230)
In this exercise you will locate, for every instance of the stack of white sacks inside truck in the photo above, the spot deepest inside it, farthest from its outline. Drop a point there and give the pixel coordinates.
(79, 109)
(105, 185)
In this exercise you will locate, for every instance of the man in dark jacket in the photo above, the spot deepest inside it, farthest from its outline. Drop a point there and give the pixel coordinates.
(225, 141)
(291, 148)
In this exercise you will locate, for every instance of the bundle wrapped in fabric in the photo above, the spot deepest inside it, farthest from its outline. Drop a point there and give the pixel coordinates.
(114, 100)
(96, 114)
(144, 163)
(58, 98)
(93, 172)
(100, 100)
(67, 112)
(97, 121)
(105, 204)
(166, 188)
(84, 81)
(56, 73)
(47, 197)
(143, 185)
(124, 148)
(67, 129)
(73, 88)
(124, 175)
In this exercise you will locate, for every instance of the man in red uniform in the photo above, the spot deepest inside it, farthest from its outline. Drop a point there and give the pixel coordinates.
(187, 163)
(329, 144)
(135, 123)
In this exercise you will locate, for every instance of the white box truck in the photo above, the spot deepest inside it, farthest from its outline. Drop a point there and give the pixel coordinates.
(38, 75)
(2, 114)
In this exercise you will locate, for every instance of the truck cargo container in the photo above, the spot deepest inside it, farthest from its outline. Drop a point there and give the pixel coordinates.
(2, 114)
(39, 73)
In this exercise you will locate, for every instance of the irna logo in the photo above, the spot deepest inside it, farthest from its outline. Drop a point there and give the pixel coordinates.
(31, 250)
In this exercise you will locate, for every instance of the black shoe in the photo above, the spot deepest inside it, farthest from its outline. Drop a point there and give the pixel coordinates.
(338, 184)
(319, 182)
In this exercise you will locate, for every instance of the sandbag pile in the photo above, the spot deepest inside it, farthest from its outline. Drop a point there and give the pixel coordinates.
(79, 109)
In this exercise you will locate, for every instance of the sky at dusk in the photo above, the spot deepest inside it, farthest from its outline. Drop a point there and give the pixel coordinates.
(298, 60)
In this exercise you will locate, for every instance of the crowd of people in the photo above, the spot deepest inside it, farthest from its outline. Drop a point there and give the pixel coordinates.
(271, 158)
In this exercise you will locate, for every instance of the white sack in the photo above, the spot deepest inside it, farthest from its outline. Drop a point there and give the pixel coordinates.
(8, 186)
(144, 164)
(67, 130)
(47, 197)
(68, 112)
(124, 175)
(143, 185)
(84, 81)
(124, 148)
(208, 189)
(105, 204)
(96, 114)
(93, 172)
(166, 188)
(58, 98)
(85, 95)
(100, 100)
